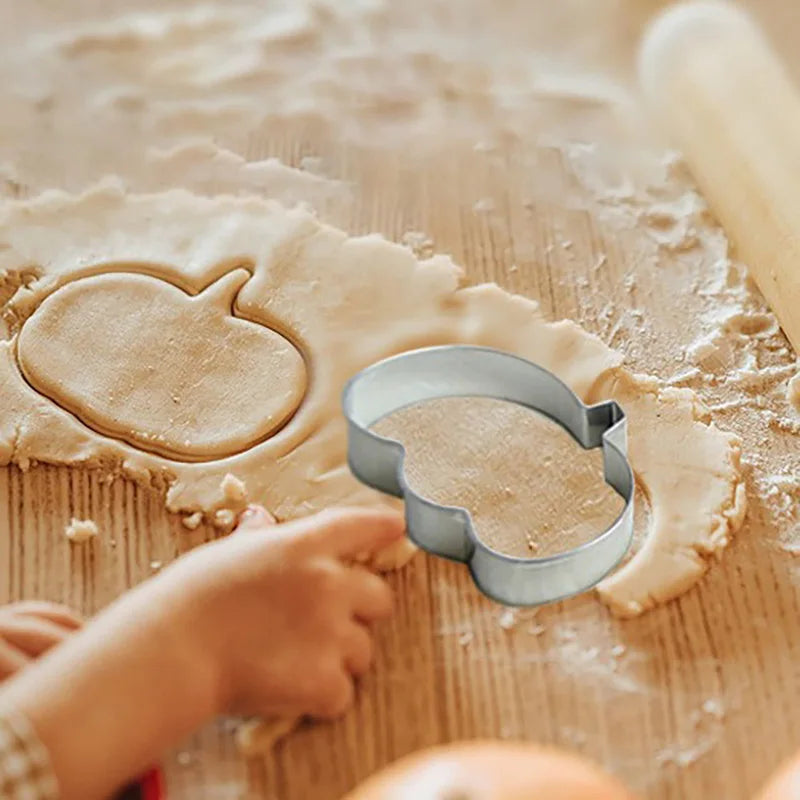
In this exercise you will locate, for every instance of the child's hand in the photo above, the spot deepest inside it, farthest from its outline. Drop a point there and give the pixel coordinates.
(29, 629)
(282, 612)
(272, 620)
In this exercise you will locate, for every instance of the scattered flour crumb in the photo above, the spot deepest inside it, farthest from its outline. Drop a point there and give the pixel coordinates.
(536, 629)
(672, 225)
(703, 349)
(234, 489)
(81, 530)
(484, 205)
(684, 756)
(420, 244)
(756, 324)
(618, 650)
(567, 634)
(793, 393)
(466, 638)
(224, 518)
(633, 608)
(192, 521)
(707, 722)
(783, 424)
(184, 758)
(713, 707)
(507, 619)
(156, 565)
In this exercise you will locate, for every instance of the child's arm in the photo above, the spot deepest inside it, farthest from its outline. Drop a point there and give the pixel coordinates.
(268, 621)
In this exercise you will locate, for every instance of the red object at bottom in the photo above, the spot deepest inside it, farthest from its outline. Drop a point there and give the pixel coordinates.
(150, 787)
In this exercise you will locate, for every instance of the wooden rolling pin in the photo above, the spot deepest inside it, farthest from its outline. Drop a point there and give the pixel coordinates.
(721, 93)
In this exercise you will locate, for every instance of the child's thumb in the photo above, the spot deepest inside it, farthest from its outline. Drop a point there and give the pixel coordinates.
(255, 517)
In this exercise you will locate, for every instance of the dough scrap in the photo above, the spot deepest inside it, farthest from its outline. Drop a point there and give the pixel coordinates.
(793, 392)
(224, 519)
(691, 472)
(81, 530)
(393, 557)
(192, 521)
(234, 491)
(256, 737)
(347, 302)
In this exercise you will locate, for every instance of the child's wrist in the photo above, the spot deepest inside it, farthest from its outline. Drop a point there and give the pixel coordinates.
(179, 651)
(202, 682)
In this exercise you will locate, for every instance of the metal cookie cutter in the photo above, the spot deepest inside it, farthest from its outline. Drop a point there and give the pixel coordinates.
(463, 371)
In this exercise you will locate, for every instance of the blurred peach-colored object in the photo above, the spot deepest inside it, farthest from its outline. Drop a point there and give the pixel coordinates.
(491, 770)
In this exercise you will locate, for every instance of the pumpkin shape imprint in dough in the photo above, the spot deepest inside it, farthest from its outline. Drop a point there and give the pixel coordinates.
(138, 359)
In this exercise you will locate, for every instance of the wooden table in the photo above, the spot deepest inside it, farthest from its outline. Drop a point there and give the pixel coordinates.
(702, 701)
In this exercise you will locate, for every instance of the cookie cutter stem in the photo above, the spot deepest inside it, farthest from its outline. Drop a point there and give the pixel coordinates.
(467, 371)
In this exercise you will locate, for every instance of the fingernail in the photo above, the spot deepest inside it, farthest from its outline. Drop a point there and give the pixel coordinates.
(250, 514)
(256, 515)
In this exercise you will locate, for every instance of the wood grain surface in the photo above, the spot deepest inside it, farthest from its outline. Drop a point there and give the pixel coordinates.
(696, 699)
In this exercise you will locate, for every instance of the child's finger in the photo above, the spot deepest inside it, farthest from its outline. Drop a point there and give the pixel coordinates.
(371, 595)
(357, 649)
(255, 517)
(31, 635)
(55, 612)
(336, 696)
(349, 532)
(11, 660)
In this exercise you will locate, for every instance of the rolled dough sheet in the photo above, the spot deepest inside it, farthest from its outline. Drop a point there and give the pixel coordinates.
(342, 302)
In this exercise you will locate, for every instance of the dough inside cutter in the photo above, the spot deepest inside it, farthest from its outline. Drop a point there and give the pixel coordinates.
(531, 489)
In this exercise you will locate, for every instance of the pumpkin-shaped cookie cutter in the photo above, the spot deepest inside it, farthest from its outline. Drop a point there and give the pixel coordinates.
(467, 371)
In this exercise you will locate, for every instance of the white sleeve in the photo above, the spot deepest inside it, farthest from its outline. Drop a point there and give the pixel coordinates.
(25, 769)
